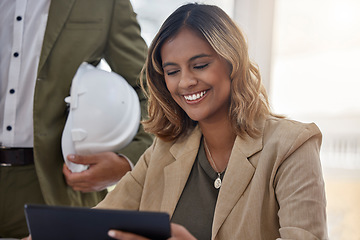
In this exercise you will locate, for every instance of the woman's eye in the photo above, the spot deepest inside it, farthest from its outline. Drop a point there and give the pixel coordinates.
(172, 72)
(201, 66)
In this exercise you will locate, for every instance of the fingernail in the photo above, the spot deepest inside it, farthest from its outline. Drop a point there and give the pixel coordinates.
(71, 156)
(111, 233)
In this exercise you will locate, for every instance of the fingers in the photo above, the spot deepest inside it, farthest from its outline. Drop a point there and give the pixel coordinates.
(78, 181)
(83, 159)
(125, 235)
(105, 169)
(27, 238)
(180, 232)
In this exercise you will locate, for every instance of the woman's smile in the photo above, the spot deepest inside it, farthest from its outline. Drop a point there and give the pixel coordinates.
(195, 97)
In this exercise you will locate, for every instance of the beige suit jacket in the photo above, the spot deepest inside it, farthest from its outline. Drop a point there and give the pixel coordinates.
(273, 187)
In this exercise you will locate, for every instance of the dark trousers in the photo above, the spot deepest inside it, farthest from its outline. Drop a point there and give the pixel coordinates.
(18, 185)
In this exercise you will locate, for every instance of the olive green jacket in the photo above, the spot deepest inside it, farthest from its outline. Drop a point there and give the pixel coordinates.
(78, 31)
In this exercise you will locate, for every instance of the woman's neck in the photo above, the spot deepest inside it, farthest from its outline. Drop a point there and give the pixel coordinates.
(220, 139)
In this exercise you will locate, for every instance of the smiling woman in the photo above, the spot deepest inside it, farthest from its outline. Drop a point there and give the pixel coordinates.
(224, 43)
(222, 165)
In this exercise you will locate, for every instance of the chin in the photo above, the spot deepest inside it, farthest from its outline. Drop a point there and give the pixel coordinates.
(195, 117)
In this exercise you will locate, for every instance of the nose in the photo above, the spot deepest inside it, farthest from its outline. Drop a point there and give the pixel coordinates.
(187, 80)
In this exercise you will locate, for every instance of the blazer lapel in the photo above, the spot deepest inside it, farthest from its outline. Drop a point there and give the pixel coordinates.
(176, 174)
(237, 177)
(58, 14)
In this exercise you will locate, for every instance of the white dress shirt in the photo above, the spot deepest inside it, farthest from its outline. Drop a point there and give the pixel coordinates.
(23, 24)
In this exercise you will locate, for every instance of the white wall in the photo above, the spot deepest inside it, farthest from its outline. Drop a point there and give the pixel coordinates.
(255, 18)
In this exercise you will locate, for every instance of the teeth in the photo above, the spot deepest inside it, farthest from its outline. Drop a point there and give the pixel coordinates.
(194, 96)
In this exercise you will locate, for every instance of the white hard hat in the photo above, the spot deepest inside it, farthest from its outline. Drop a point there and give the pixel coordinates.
(104, 114)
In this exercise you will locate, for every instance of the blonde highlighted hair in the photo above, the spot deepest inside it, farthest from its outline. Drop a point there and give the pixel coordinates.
(249, 99)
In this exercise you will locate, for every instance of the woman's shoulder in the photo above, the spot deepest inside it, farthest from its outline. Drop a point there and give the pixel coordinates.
(288, 134)
(289, 127)
(283, 136)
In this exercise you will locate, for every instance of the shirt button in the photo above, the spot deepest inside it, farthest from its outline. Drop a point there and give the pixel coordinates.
(19, 18)
(16, 54)
(12, 91)
(8, 128)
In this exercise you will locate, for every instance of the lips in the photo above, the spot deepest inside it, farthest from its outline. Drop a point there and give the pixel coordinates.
(194, 96)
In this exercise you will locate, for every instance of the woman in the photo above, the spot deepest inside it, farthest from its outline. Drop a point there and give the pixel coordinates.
(222, 165)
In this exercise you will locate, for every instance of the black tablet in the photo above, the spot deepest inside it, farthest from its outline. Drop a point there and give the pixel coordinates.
(60, 223)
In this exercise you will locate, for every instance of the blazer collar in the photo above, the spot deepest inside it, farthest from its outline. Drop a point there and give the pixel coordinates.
(184, 152)
(58, 14)
(238, 175)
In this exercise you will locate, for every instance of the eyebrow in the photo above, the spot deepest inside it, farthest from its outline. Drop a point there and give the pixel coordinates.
(191, 59)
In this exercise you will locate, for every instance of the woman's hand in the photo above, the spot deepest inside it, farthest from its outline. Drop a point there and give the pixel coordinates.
(27, 238)
(178, 232)
(120, 235)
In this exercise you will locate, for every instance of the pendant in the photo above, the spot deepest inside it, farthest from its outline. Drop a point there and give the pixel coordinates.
(217, 182)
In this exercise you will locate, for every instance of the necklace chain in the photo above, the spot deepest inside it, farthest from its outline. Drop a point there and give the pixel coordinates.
(212, 160)
(217, 182)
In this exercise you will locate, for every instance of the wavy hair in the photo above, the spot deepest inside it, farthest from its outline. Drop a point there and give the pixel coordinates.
(249, 101)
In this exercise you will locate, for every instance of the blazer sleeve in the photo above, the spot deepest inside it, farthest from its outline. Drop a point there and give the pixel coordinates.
(299, 188)
(125, 53)
(129, 190)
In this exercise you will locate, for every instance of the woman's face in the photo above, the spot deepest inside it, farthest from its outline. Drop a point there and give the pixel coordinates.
(196, 76)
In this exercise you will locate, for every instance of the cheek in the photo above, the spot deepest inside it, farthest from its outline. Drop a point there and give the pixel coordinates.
(225, 89)
(170, 85)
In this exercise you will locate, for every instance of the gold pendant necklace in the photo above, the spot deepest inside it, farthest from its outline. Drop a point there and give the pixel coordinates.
(217, 182)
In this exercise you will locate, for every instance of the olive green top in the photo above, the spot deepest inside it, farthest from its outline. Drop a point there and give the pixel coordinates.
(196, 206)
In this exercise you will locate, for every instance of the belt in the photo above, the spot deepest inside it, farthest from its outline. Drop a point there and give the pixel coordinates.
(16, 156)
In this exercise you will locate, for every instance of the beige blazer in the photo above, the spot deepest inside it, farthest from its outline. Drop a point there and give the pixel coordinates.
(273, 187)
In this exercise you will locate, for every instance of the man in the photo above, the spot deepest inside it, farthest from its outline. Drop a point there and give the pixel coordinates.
(43, 43)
